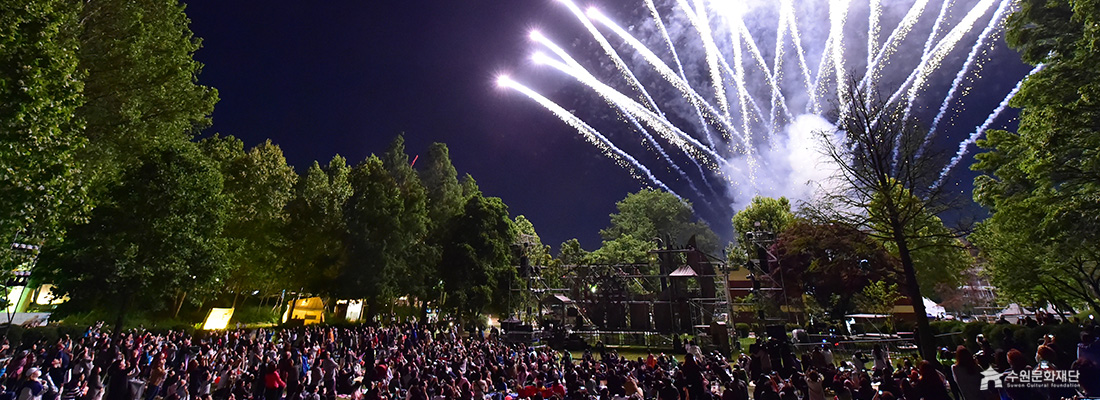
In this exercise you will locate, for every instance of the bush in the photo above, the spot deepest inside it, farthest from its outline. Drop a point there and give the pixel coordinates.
(254, 315)
(971, 331)
(742, 329)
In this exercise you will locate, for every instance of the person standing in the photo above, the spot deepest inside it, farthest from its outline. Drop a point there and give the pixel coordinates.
(967, 373)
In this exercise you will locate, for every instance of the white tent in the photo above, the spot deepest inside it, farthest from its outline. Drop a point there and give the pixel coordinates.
(933, 309)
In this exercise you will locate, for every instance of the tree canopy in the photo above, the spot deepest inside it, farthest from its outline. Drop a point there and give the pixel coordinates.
(1040, 183)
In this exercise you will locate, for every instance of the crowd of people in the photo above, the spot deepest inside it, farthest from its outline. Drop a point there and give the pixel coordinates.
(422, 362)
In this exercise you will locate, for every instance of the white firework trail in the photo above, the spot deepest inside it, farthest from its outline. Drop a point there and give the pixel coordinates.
(593, 136)
(837, 19)
(712, 56)
(745, 142)
(890, 46)
(610, 51)
(667, 130)
(965, 145)
(660, 24)
(662, 68)
(931, 62)
(995, 24)
(873, 16)
(916, 80)
(936, 27)
(796, 38)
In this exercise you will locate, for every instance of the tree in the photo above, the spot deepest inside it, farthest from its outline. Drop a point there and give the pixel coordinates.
(1040, 183)
(477, 267)
(141, 85)
(885, 185)
(824, 259)
(412, 223)
(40, 87)
(571, 253)
(649, 215)
(157, 235)
(773, 215)
(440, 179)
(445, 201)
(258, 185)
(878, 297)
(317, 229)
(377, 243)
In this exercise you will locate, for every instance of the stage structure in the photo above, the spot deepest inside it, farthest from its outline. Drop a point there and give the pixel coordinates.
(681, 290)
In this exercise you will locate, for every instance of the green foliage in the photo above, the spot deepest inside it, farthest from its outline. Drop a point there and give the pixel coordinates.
(823, 260)
(258, 186)
(255, 315)
(774, 215)
(317, 228)
(40, 88)
(374, 243)
(476, 269)
(141, 81)
(1040, 183)
(878, 297)
(646, 216)
(412, 222)
(157, 234)
(939, 257)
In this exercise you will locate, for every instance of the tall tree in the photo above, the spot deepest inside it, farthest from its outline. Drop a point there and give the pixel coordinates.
(376, 240)
(412, 223)
(885, 185)
(258, 185)
(157, 235)
(477, 268)
(1041, 183)
(445, 201)
(316, 228)
(40, 87)
(651, 214)
(772, 215)
(141, 85)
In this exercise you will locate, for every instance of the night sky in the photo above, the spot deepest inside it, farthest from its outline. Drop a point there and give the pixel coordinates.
(321, 78)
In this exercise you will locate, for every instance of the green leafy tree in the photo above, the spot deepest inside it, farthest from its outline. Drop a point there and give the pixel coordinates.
(773, 215)
(1040, 183)
(412, 223)
(571, 253)
(40, 88)
(879, 297)
(317, 229)
(258, 185)
(158, 236)
(376, 240)
(477, 269)
(649, 215)
(445, 201)
(141, 84)
(537, 254)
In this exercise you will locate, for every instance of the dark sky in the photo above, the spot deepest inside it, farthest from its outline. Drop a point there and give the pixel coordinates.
(343, 76)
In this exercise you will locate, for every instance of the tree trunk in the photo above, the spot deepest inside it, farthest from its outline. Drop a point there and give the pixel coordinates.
(179, 305)
(926, 345)
(235, 296)
(121, 317)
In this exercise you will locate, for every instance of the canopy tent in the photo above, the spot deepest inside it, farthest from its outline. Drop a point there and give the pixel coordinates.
(932, 309)
(684, 270)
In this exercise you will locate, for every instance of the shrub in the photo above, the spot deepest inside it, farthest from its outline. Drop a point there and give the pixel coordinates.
(254, 315)
(742, 329)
